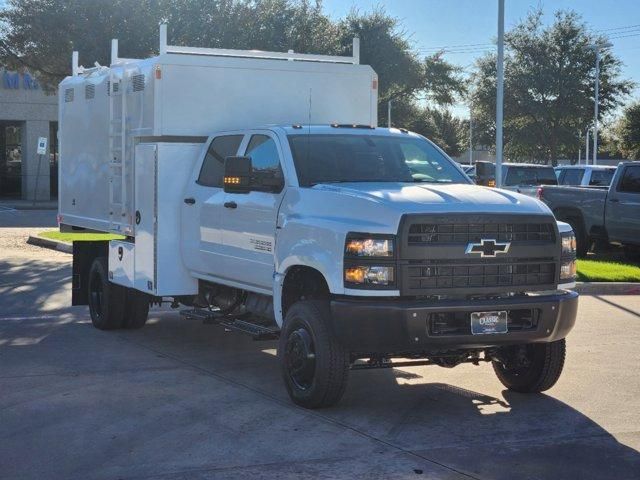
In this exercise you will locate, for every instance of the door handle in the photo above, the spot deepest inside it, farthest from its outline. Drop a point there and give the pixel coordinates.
(230, 205)
(614, 200)
(190, 201)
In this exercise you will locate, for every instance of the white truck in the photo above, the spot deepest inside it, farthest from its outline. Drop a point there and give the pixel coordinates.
(255, 189)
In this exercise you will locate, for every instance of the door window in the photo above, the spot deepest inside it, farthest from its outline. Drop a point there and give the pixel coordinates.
(265, 161)
(212, 169)
(630, 180)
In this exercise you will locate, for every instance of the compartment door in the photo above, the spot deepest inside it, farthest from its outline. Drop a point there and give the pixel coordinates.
(146, 213)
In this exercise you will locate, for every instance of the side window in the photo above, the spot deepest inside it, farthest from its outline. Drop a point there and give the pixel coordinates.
(601, 177)
(267, 173)
(572, 176)
(212, 169)
(630, 180)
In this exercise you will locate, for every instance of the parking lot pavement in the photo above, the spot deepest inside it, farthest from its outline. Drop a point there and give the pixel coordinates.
(180, 400)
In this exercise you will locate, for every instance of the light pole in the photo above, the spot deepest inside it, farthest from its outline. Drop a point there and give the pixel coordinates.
(500, 93)
(470, 136)
(579, 147)
(586, 146)
(597, 47)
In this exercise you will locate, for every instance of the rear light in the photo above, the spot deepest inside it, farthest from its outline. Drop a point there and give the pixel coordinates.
(539, 193)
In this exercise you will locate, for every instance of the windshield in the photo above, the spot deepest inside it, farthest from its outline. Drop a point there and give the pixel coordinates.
(530, 176)
(369, 158)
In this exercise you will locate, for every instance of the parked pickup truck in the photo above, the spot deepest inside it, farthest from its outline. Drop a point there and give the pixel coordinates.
(522, 178)
(601, 214)
(585, 175)
(255, 190)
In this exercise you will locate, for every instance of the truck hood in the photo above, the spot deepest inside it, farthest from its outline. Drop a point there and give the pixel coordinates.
(433, 198)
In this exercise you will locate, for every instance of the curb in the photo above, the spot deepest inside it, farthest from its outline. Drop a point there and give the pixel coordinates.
(608, 288)
(51, 244)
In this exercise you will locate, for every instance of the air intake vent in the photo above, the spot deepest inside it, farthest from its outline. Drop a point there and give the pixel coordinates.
(89, 91)
(138, 82)
(116, 87)
(68, 95)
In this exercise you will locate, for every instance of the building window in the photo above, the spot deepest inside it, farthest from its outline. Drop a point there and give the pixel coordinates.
(10, 159)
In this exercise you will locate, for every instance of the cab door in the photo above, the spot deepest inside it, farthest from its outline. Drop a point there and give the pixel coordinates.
(623, 207)
(249, 219)
(202, 208)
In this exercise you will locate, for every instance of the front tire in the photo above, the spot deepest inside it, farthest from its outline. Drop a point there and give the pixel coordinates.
(531, 368)
(315, 366)
(106, 299)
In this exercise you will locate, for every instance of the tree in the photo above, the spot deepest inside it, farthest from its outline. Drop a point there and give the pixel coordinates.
(549, 87)
(41, 34)
(626, 133)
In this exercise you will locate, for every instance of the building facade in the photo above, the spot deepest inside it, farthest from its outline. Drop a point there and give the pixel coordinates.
(27, 113)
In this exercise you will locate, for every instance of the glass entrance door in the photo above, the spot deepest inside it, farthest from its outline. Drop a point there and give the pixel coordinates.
(10, 159)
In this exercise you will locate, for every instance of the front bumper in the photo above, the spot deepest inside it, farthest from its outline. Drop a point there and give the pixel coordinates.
(400, 326)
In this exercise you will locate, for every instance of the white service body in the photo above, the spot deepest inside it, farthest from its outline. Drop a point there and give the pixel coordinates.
(181, 96)
(131, 134)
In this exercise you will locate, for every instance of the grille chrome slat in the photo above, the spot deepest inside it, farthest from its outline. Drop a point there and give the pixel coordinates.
(443, 275)
(462, 233)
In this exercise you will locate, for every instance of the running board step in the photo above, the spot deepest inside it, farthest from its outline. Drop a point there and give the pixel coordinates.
(208, 317)
(258, 332)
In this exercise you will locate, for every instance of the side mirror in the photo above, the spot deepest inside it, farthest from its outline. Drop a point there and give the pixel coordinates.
(237, 174)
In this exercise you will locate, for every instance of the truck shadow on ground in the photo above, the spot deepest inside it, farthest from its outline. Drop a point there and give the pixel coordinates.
(460, 420)
(453, 423)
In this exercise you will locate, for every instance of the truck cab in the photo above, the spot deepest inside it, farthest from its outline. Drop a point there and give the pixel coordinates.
(378, 234)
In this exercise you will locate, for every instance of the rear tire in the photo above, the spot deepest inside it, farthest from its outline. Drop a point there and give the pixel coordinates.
(531, 368)
(106, 299)
(136, 310)
(315, 366)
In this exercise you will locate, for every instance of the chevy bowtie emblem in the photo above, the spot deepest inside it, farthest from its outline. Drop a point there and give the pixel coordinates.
(488, 248)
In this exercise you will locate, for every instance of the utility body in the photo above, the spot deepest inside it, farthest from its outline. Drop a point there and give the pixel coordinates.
(255, 190)
(601, 214)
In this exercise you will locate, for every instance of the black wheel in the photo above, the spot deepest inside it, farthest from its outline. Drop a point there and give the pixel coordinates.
(136, 309)
(530, 368)
(106, 299)
(315, 366)
(583, 242)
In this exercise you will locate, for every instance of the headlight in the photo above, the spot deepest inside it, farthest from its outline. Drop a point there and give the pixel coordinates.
(369, 275)
(568, 270)
(363, 246)
(568, 244)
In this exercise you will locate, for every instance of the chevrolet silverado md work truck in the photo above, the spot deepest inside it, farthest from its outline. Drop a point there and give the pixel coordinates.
(255, 190)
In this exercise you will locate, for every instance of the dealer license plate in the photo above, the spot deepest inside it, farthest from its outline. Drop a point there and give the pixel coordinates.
(483, 323)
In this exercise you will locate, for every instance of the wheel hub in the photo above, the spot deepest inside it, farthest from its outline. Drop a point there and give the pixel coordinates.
(300, 358)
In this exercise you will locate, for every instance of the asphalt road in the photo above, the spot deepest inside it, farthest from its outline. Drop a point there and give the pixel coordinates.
(181, 400)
